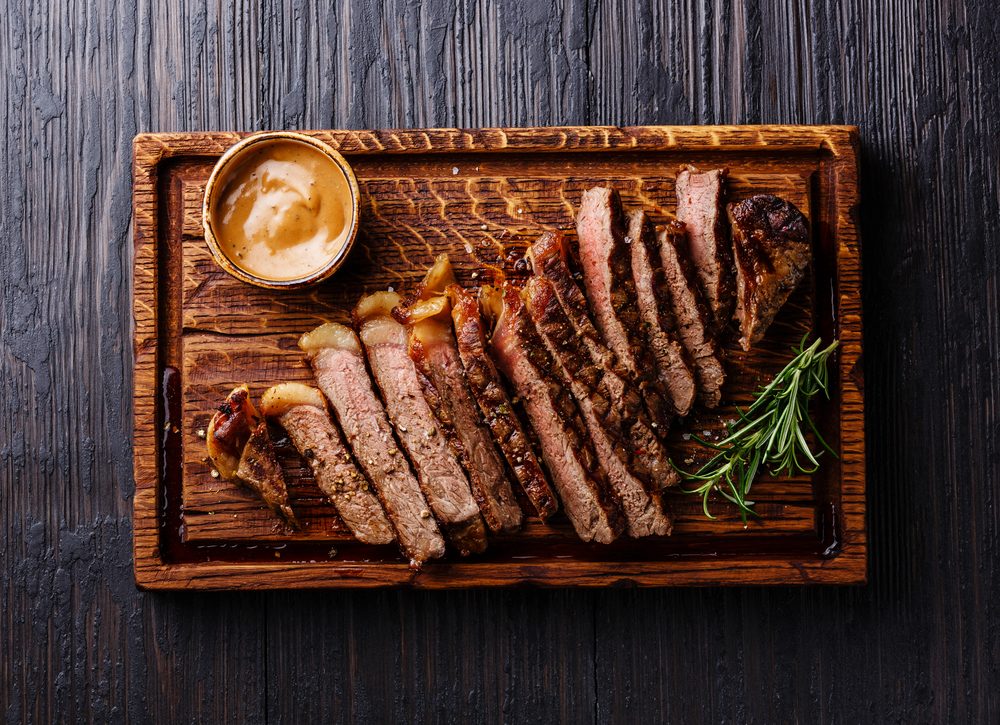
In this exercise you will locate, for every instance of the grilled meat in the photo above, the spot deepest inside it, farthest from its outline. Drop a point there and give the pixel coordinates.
(580, 339)
(700, 209)
(772, 250)
(691, 313)
(441, 477)
(230, 429)
(301, 411)
(495, 406)
(659, 324)
(241, 449)
(339, 365)
(567, 452)
(607, 277)
(434, 351)
(643, 513)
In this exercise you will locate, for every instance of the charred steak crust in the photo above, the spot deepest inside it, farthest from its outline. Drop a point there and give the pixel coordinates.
(700, 208)
(595, 362)
(659, 324)
(446, 390)
(691, 313)
(441, 477)
(643, 513)
(494, 404)
(567, 452)
(772, 249)
(338, 363)
(607, 276)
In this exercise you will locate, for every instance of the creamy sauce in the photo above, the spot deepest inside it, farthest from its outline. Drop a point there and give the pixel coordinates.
(284, 211)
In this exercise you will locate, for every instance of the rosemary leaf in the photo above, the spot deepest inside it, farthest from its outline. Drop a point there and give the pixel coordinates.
(769, 434)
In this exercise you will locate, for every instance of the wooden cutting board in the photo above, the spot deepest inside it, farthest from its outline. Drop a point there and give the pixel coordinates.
(481, 196)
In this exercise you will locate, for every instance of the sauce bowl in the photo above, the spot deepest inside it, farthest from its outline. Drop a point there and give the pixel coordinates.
(259, 203)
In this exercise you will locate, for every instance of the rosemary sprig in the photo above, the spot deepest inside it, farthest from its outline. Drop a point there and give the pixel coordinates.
(769, 434)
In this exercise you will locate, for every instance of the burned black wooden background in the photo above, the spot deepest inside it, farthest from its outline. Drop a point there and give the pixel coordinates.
(919, 644)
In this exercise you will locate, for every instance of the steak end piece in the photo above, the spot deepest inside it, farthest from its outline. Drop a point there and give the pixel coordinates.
(241, 450)
(772, 249)
(338, 362)
(701, 209)
(260, 471)
(230, 429)
(301, 411)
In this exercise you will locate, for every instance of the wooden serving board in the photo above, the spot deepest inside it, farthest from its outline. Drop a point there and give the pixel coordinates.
(480, 195)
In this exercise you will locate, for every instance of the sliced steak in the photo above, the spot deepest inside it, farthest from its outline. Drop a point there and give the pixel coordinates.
(580, 341)
(495, 406)
(700, 209)
(434, 351)
(339, 364)
(241, 450)
(607, 277)
(260, 471)
(301, 411)
(441, 476)
(549, 258)
(772, 248)
(691, 313)
(643, 513)
(658, 322)
(567, 452)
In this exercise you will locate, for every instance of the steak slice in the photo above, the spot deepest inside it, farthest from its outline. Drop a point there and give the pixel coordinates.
(495, 406)
(434, 351)
(643, 513)
(658, 322)
(772, 248)
(441, 476)
(561, 432)
(691, 313)
(301, 411)
(649, 460)
(339, 364)
(607, 277)
(241, 450)
(700, 209)
(260, 471)
(549, 258)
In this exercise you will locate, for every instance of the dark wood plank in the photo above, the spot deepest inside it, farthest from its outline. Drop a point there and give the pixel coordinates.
(529, 661)
(77, 641)
(918, 644)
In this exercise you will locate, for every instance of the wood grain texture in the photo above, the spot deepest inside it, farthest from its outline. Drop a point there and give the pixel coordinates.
(429, 191)
(918, 644)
